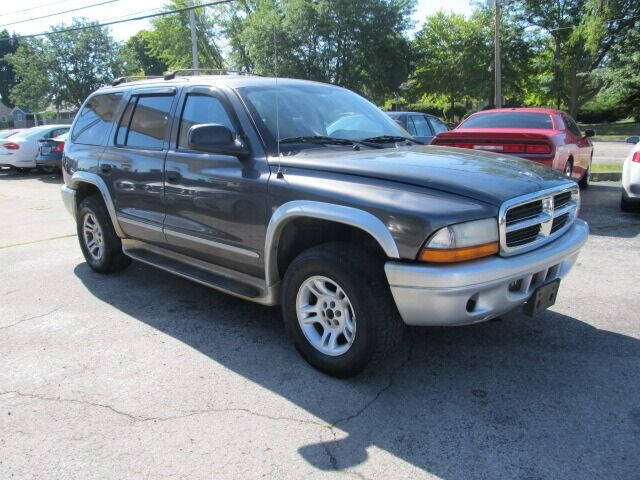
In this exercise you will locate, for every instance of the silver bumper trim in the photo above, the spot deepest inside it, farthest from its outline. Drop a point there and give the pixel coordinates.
(482, 289)
(69, 199)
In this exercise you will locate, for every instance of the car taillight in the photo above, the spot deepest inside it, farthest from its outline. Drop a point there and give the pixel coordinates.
(636, 157)
(11, 146)
(59, 147)
(538, 148)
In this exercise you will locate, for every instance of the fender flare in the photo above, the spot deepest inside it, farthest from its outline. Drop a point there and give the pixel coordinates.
(325, 211)
(86, 177)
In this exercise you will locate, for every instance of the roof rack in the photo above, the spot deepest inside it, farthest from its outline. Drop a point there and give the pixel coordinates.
(212, 71)
(131, 78)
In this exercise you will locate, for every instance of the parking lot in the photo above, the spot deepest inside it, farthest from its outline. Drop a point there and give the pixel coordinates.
(145, 375)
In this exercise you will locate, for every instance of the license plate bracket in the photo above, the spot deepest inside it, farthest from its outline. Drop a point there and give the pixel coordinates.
(543, 297)
(46, 150)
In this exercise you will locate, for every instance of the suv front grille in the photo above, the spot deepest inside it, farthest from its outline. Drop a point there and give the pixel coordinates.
(533, 220)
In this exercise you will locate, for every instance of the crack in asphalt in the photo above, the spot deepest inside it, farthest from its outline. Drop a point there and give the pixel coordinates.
(29, 318)
(11, 245)
(140, 418)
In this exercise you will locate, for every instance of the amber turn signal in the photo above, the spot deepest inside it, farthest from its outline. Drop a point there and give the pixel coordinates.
(450, 255)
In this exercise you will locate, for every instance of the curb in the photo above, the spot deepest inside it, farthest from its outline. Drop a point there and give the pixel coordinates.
(606, 176)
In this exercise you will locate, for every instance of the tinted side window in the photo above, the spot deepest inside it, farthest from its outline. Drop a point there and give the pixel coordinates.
(411, 127)
(572, 126)
(437, 125)
(200, 109)
(422, 127)
(149, 122)
(94, 120)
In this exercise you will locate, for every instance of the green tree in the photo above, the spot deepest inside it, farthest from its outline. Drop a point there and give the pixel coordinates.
(580, 35)
(358, 44)
(452, 56)
(170, 39)
(64, 68)
(8, 45)
(137, 59)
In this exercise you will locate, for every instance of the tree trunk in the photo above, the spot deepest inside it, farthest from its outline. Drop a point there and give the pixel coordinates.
(573, 94)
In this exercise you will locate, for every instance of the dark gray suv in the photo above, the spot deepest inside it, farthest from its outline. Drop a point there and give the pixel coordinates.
(306, 195)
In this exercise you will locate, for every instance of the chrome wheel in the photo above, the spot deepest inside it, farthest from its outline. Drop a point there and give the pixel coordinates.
(325, 315)
(92, 234)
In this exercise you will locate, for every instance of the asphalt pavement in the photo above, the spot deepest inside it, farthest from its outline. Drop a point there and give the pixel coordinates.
(143, 374)
(611, 152)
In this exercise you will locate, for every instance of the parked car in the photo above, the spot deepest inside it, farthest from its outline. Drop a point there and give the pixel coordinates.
(630, 199)
(633, 139)
(8, 132)
(352, 227)
(546, 136)
(421, 126)
(50, 150)
(19, 151)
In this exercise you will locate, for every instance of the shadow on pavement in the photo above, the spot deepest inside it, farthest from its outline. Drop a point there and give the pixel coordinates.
(551, 397)
(600, 207)
(12, 175)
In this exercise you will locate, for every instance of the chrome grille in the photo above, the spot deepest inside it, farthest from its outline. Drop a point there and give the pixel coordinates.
(533, 220)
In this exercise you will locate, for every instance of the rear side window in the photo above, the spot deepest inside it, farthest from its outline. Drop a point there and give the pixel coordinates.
(437, 125)
(199, 109)
(509, 120)
(421, 126)
(572, 126)
(145, 122)
(93, 122)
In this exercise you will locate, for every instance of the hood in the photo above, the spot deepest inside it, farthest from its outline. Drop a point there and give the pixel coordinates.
(487, 177)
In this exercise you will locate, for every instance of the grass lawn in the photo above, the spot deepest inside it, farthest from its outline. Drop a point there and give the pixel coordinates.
(606, 167)
(613, 131)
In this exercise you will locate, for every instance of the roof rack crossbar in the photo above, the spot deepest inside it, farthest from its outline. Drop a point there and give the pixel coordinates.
(129, 78)
(214, 71)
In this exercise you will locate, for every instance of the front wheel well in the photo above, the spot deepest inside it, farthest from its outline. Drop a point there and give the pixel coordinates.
(301, 234)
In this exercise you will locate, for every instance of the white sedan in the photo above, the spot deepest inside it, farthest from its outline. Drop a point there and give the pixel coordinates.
(19, 150)
(631, 181)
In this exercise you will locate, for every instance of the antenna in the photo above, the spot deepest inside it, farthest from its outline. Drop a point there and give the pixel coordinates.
(279, 173)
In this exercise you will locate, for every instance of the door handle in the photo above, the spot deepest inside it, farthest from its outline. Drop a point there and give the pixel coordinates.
(173, 177)
(106, 168)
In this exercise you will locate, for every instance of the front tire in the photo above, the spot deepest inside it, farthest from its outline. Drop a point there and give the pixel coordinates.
(338, 309)
(100, 245)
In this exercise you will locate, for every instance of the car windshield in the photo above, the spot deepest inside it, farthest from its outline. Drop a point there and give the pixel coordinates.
(509, 120)
(315, 110)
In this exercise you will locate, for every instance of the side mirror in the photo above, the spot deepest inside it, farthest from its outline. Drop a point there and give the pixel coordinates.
(634, 139)
(589, 133)
(215, 138)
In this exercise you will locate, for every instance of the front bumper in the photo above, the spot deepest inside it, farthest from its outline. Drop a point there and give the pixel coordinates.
(442, 295)
(69, 199)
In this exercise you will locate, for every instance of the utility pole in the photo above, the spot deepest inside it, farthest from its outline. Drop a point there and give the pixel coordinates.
(194, 42)
(498, 67)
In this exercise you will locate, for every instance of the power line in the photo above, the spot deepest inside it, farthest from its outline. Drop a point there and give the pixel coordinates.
(106, 24)
(59, 13)
(35, 8)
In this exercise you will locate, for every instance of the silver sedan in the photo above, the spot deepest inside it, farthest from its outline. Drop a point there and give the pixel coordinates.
(630, 199)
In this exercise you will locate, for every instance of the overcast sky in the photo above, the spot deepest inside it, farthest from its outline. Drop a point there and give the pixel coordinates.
(13, 11)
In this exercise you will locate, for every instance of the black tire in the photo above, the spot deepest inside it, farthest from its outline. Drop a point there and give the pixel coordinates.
(627, 205)
(568, 168)
(48, 169)
(23, 171)
(584, 181)
(361, 276)
(112, 259)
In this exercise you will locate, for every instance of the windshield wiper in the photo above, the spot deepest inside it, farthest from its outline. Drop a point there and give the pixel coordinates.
(322, 140)
(390, 139)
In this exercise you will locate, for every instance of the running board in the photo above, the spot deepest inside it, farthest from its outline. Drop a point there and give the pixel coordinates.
(214, 276)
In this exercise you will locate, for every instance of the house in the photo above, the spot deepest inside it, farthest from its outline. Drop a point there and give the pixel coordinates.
(22, 118)
(6, 120)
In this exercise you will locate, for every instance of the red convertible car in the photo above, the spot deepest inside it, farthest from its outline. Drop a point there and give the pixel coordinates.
(546, 136)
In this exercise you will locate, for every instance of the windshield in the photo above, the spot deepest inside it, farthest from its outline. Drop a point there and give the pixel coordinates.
(315, 110)
(509, 120)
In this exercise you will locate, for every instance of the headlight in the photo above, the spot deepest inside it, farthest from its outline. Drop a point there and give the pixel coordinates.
(463, 241)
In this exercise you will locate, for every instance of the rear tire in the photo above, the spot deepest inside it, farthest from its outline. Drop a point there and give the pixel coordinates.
(351, 321)
(100, 245)
(627, 205)
(568, 168)
(584, 181)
